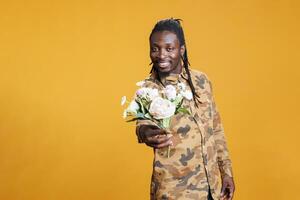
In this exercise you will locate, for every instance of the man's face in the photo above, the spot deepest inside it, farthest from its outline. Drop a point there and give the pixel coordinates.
(166, 52)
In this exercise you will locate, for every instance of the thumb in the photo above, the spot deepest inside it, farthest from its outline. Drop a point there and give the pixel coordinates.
(223, 190)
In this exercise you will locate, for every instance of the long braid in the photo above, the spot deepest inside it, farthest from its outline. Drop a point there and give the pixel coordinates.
(186, 67)
(173, 25)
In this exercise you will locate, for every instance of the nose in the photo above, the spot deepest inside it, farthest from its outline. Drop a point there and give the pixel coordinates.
(162, 54)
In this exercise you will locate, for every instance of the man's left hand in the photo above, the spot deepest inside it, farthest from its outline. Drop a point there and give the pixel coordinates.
(227, 188)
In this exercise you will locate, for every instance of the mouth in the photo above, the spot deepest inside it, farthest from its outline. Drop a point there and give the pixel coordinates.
(163, 64)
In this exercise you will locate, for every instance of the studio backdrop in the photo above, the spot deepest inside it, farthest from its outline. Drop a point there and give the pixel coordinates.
(64, 66)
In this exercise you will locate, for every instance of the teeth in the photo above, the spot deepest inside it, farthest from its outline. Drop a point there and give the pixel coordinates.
(163, 63)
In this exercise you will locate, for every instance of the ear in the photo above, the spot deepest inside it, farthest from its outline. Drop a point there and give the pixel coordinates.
(182, 50)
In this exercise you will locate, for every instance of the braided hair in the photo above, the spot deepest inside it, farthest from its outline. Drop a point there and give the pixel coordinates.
(174, 26)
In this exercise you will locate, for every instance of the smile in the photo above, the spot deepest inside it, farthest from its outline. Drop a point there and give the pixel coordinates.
(163, 64)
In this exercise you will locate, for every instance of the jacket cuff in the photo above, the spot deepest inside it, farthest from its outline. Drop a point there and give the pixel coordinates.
(225, 168)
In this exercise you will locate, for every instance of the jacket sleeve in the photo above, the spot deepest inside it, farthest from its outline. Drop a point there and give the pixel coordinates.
(224, 161)
(140, 122)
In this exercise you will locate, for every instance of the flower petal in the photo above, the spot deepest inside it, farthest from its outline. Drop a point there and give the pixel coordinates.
(140, 83)
(123, 100)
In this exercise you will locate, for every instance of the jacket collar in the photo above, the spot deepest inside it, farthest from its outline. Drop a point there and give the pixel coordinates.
(171, 78)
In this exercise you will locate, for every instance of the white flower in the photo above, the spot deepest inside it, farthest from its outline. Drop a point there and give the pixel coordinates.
(125, 114)
(181, 86)
(147, 93)
(187, 94)
(152, 93)
(170, 92)
(123, 100)
(133, 107)
(140, 92)
(140, 83)
(161, 108)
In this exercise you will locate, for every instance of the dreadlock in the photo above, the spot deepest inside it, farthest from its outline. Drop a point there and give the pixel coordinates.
(174, 26)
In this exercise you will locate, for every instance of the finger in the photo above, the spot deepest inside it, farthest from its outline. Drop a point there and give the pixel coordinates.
(165, 144)
(153, 132)
(163, 139)
(158, 140)
(223, 191)
(222, 194)
(151, 144)
(228, 193)
(151, 141)
(147, 129)
(159, 131)
(152, 127)
(231, 189)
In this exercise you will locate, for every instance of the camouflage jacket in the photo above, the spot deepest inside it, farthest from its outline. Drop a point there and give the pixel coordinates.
(199, 156)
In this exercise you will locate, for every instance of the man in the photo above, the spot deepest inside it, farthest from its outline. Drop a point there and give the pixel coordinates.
(199, 155)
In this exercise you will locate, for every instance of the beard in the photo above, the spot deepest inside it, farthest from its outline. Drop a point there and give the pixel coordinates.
(165, 68)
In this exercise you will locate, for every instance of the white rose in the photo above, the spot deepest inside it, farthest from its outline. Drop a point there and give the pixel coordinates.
(161, 108)
(170, 92)
(187, 94)
(133, 107)
(148, 93)
(152, 93)
(181, 86)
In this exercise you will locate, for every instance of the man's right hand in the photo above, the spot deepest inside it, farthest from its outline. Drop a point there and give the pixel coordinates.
(154, 137)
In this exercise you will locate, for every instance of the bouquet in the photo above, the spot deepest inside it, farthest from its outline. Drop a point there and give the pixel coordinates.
(157, 106)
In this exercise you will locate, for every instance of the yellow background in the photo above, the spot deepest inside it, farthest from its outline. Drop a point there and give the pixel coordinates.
(66, 64)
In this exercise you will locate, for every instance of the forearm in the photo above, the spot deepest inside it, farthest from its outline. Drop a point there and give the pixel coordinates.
(223, 157)
(221, 146)
(224, 161)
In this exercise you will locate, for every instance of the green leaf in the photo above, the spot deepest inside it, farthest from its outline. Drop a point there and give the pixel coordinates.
(147, 115)
(134, 119)
(183, 110)
(140, 115)
(166, 122)
(142, 106)
(178, 101)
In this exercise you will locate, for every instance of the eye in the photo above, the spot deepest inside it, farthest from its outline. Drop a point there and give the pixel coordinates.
(154, 49)
(170, 49)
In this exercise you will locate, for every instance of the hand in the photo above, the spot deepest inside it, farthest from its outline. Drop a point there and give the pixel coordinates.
(154, 137)
(227, 188)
